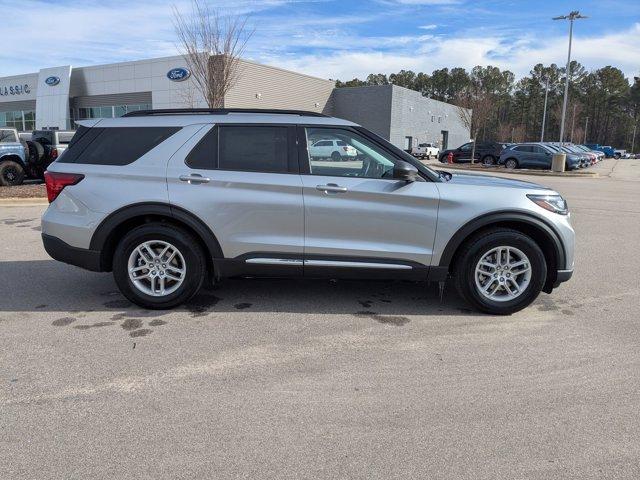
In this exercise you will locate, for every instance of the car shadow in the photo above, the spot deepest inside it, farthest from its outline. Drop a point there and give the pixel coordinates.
(50, 286)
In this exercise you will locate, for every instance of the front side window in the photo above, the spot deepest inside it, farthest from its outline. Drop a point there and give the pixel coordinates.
(351, 155)
(466, 147)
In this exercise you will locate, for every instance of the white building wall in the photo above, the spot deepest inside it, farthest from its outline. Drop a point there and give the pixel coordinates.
(52, 101)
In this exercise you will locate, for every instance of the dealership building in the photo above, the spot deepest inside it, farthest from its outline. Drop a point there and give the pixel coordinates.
(56, 97)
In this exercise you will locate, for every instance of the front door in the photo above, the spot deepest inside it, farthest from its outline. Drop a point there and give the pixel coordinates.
(445, 140)
(357, 216)
(243, 182)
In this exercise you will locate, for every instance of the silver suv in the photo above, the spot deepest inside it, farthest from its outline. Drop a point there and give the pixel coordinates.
(167, 199)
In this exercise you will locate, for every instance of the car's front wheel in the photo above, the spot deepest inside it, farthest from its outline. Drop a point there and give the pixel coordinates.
(159, 266)
(500, 271)
(11, 173)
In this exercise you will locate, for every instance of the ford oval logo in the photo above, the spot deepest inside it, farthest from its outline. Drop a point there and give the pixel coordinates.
(52, 81)
(178, 74)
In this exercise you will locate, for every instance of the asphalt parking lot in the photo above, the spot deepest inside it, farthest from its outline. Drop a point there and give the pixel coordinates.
(286, 379)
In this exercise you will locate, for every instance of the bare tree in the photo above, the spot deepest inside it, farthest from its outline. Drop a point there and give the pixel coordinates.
(475, 107)
(212, 44)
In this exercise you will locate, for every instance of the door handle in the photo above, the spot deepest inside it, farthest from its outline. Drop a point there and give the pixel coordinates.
(331, 188)
(194, 178)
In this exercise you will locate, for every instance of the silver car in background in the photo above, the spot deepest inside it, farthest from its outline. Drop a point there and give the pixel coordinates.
(169, 199)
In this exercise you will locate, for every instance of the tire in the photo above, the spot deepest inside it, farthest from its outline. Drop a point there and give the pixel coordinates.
(11, 173)
(36, 151)
(499, 301)
(336, 157)
(443, 159)
(489, 160)
(190, 257)
(511, 163)
(617, 156)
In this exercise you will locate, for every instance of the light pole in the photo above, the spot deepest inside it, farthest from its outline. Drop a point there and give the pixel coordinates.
(544, 112)
(573, 121)
(575, 15)
(586, 124)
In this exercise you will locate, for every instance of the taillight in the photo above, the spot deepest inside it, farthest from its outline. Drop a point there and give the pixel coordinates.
(54, 153)
(56, 182)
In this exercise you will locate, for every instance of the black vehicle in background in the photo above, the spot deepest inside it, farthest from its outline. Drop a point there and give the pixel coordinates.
(486, 152)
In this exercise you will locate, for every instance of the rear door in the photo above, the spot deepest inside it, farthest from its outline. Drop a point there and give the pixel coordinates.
(243, 182)
(357, 217)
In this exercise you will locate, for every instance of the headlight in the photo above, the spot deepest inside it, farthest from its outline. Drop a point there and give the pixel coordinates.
(553, 203)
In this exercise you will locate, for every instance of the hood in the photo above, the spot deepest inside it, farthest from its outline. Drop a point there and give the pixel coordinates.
(490, 181)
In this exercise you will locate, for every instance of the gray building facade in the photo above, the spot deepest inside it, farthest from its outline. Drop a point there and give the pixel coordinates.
(58, 96)
(402, 116)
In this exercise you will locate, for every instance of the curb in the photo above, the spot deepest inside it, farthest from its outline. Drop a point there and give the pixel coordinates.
(22, 202)
(540, 173)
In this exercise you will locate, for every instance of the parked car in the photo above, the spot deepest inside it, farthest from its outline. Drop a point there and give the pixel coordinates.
(599, 155)
(53, 143)
(13, 157)
(425, 150)
(166, 199)
(534, 155)
(486, 152)
(606, 149)
(333, 149)
(590, 158)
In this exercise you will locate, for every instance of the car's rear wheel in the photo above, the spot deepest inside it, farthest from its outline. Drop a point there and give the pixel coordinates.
(489, 160)
(335, 156)
(11, 173)
(159, 266)
(500, 271)
(511, 163)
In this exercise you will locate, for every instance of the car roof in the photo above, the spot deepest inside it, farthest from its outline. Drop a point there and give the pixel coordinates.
(181, 120)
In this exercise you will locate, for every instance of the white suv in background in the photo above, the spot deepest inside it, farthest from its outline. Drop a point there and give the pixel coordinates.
(333, 149)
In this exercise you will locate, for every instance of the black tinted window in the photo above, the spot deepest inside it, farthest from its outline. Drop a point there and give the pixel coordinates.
(203, 155)
(254, 149)
(114, 146)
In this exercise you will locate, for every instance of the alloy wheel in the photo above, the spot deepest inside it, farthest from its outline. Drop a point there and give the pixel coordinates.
(156, 268)
(502, 274)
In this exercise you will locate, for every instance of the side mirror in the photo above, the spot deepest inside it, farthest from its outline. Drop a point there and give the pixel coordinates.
(405, 171)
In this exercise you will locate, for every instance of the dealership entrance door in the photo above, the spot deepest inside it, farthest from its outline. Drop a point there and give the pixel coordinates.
(445, 140)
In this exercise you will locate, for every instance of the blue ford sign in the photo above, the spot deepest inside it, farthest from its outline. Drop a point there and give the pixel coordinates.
(52, 81)
(179, 74)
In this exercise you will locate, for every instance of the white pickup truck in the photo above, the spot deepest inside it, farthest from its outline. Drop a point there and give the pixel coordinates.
(425, 150)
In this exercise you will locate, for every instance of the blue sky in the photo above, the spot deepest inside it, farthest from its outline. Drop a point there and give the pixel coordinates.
(331, 39)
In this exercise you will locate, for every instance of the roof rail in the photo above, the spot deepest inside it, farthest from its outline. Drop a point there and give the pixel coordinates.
(219, 111)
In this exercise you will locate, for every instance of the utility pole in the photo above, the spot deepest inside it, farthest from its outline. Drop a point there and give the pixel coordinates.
(544, 112)
(586, 124)
(573, 121)
(575, 15)
(633, 138)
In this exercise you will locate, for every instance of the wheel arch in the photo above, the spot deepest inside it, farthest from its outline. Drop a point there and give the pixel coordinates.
(111, 229)
(13, 157)
(541, 231)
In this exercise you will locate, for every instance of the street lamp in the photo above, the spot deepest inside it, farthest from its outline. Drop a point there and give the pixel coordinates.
(575, 15)
(544, 112)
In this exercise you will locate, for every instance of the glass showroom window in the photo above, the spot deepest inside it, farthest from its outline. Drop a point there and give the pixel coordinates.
(109, 112)
(20, 120)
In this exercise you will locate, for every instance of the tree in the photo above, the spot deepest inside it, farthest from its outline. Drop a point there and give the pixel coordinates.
(212, 45)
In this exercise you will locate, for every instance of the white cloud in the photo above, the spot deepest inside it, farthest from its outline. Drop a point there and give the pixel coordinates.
(519, 55)
(433, 26)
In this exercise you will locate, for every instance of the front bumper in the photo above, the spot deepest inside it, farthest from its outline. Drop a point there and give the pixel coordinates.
(63, 252)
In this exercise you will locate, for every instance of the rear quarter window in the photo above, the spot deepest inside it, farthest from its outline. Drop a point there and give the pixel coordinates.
(114, 146)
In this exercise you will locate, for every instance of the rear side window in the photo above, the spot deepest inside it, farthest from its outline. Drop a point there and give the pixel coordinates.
(7, 136)
(114, 146)
(253, 148)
